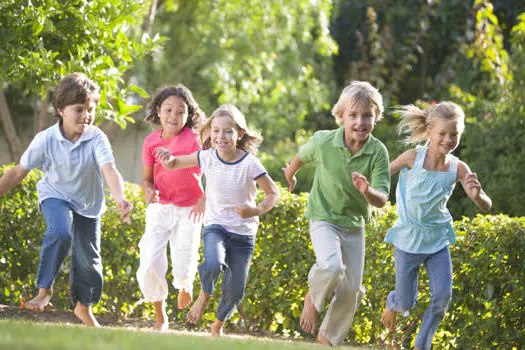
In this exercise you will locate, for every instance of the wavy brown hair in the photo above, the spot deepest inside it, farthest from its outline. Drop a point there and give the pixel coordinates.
(195, 115)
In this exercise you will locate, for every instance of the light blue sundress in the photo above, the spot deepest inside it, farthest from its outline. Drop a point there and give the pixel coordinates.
(424, 224)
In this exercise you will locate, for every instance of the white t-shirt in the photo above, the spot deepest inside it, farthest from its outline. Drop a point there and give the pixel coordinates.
(227, 185)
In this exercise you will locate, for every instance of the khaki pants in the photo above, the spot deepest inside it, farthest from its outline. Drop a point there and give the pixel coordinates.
(338, 271)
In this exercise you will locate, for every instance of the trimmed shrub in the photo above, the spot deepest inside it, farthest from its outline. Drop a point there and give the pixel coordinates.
(488, 262)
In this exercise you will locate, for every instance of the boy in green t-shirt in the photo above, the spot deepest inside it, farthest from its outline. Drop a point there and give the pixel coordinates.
(339, 206)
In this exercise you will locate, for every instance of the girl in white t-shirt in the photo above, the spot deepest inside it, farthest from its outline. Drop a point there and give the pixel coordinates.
(231, 219)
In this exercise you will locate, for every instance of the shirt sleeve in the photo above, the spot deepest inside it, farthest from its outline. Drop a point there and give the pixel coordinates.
(380, 177)
(35, 155)
(309, 151)
(204, 158)
(257, 169)
(148, 158)
(103, 151)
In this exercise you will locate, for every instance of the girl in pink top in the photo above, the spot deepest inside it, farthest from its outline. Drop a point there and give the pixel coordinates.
(175, 201)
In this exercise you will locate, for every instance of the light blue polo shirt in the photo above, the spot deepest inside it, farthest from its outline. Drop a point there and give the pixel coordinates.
(333, 197)
(72, 171)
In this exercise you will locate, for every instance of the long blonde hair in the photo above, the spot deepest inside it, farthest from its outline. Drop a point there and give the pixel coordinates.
(414, 121)
(249, 142)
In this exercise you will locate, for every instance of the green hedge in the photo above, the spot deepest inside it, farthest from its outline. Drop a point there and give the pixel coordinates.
(489, 273)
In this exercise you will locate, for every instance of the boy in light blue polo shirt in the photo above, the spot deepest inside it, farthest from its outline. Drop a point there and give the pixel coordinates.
(351, 173)
(76, 157)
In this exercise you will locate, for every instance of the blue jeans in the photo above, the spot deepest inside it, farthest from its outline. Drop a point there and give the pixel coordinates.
(439, 271)
(65, 230)
(230, 254)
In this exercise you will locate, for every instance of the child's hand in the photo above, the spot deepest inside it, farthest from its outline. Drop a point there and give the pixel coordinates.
(360, 182)
(246, 211)
(472, 185)
(164, 156)
(151, 195)
(125, 209)
(292, 180)
(197, 211)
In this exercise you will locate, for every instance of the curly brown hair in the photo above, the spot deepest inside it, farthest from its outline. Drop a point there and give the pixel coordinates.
(195, 115)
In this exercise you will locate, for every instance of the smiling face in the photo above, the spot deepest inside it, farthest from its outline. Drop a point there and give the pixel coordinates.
(224, 135)
(358, 120)
(76, 118)
(173, 114)
(444, 135)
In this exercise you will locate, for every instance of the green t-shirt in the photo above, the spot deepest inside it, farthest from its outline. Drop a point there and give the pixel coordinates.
(333, 197)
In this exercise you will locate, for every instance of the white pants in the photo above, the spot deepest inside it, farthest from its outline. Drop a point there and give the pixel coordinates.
(167, 222)
(338, 271)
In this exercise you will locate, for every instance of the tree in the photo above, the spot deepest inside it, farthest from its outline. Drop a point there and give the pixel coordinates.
(43, 40)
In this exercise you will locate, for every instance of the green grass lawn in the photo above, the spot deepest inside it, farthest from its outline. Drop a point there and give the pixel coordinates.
(25, 335)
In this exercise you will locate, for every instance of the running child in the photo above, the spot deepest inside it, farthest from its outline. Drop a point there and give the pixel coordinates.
(423, 231)
(338, 207)
(76, 158)
(175, 202)
(231, 220)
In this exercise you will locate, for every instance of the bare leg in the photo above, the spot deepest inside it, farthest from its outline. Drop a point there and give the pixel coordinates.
(85, 315)
(162, 323)
(197, 310)
(183, 299)
(216, 328)
(389, 319)
(321, 339)
(39, 302)
(308, 319)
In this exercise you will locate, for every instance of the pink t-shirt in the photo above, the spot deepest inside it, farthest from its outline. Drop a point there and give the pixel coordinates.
(179, 186)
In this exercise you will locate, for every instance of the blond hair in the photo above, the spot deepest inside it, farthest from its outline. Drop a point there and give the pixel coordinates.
(358, 92)
(250, 141)
(414, 121)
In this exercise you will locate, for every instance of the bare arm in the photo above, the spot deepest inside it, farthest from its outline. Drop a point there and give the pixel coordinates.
(11, 178)
(269, 187)
(148, 185)
(179, 162)
(472, 187)
(116, 186)
(291, 169)
(405, 159)
(372, 196)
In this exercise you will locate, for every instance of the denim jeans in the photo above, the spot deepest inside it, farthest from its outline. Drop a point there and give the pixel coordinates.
(439, 271)
(65, 230)
(230, 254)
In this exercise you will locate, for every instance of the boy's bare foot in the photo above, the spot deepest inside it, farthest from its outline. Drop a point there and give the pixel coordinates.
(197, 310)
(162, 323)
(389, 319)
(39, 302)
(322, 340)
(183, 299)
(308, 319)
(84, 314)
(216, 328)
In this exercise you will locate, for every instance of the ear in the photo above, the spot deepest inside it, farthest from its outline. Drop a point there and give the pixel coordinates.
(61, 112)
(157, 109)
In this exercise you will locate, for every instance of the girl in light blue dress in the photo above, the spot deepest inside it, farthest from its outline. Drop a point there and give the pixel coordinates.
(423, 231)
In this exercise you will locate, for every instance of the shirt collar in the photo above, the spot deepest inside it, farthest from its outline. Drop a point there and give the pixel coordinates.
(88, 133)
(339, 142)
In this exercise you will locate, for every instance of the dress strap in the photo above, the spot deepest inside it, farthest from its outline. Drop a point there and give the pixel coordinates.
(453, 167)
(420, 157)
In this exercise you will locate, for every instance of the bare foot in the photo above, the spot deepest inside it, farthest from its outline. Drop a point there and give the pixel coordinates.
(308, 319)
(197, 310)
(162, 323)
(84, 314)
(389, 319)
(39, 302)
(321, 339)
(216, 328)
(183, 299)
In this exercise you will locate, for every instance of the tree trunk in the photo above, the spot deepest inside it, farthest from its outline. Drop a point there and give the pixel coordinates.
(42, 113)
(14, 141)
